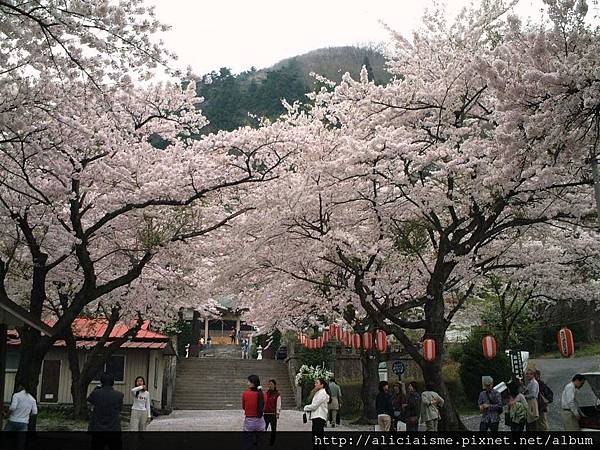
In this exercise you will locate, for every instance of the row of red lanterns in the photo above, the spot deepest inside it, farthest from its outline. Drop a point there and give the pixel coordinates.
(564, 337)
(366, 341)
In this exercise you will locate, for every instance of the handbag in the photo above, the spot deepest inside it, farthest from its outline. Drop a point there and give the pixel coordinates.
(304, 418)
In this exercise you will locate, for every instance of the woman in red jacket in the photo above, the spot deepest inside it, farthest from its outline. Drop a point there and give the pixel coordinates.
(272, 409)
(253, 404)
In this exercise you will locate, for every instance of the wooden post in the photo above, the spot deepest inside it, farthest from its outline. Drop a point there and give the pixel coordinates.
(3, 355)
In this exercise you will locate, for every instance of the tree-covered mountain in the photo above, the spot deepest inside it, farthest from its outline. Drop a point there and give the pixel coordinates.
(234, 100)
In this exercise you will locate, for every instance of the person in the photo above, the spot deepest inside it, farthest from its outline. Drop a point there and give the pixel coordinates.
(545, 397)
(208, 341)
(141, 412)
(238, 337)
(244, 349)
(253, 404)
(318, 410)
(232, 336)
(383, 407)
(531, 392)
(517, 409)
(570, 409)
(431, 402)
(22, 407)
(412, 411)
(336, 401)
(490, 405)
(399, 404)
(106, 414)
(201, 344)
(272, 409)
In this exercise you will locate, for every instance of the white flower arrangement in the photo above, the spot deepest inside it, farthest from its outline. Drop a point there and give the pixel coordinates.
(311, 373)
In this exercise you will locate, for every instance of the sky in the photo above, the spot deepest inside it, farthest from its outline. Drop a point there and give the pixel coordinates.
(238, 34)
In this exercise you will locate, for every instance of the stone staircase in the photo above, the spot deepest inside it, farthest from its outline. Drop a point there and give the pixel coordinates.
(216, 383)
(222, 351)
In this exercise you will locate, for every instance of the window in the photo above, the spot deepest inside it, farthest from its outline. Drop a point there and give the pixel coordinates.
(12, 360)
(115, 366)
(156, 373)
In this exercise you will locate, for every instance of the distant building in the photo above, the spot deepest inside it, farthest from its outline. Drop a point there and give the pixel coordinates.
(148, 354)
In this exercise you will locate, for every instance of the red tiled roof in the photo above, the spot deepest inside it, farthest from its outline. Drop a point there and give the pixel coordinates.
(95, 328)
(89, 331)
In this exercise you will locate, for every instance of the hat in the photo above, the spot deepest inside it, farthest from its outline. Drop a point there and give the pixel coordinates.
(487, 380)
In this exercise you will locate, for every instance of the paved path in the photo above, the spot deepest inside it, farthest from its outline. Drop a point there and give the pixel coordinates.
(557, 373)
(229, 420)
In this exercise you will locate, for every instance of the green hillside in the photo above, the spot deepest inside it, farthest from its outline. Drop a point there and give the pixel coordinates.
(229, 98)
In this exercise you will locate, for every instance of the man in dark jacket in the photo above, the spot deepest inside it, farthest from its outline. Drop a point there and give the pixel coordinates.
(106, 415)
(384, 407)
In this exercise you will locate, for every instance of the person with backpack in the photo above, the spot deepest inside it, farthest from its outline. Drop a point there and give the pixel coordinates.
(317, 410)
(517, 409)
(253, 404)
(272, 409)
(545, 397)
(490, 405)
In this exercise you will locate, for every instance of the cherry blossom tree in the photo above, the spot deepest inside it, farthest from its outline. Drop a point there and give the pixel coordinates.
(407, 197)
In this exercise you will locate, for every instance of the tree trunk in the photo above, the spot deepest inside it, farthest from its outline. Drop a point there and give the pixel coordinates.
(79, 390)
(32, 351)
(370, 383)
(432, 373)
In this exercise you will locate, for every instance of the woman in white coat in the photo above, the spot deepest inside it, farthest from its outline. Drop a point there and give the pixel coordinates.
(141, 412)
(317, 410)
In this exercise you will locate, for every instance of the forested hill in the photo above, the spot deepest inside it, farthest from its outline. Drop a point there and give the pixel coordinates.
(230, 97)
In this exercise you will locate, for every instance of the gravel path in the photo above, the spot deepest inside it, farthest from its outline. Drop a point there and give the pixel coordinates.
(556, 372)
(230, 420)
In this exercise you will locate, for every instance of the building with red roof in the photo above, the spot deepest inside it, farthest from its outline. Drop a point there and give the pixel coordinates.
(148, 354)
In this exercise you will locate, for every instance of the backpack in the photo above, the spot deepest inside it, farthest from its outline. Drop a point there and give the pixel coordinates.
(546, 392)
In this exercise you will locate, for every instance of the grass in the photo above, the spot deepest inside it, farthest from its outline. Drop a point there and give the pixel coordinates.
(581, 350)
(59, 420)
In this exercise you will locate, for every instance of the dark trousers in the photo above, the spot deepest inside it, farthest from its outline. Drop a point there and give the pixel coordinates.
(489, 426)
(412, 424)
(517, 427)
(532, 426)
(318, 431)
(271, 419)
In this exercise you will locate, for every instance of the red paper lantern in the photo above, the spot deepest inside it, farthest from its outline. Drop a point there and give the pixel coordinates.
(332, 328)
(367, 340)
(429, 350)
(381, 341)
(347, 339)
(339, 333)
(355, 341)
(566, 344)
(325, 337)
(489, 347)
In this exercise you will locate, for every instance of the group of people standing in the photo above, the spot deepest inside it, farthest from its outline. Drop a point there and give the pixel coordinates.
(525, 407)
(261, 409)
(405, 407)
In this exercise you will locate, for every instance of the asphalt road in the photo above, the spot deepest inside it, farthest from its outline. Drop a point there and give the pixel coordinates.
(557, 373)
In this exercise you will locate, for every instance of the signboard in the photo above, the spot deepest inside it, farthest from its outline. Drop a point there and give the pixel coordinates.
(398, 368)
